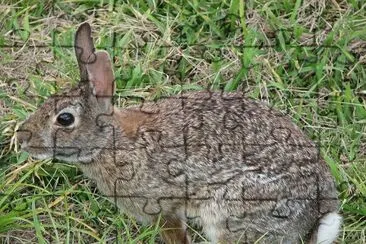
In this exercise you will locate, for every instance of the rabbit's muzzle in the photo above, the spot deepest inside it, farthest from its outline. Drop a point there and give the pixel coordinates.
(32, 142)
(23, 137)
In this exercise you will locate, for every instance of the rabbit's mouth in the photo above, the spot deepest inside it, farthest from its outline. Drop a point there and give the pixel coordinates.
(41, 156)
(67, 154)
(74, 154)
(41, 153)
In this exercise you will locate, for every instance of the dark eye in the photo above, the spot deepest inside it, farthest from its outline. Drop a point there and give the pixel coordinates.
(65, 119)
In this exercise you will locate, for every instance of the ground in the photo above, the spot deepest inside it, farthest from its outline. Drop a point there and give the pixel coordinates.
(306, 58)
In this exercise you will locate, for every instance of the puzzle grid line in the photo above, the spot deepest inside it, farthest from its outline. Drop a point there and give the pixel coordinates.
(13, 42)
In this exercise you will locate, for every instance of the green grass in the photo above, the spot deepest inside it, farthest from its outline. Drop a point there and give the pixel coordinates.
(303, 58)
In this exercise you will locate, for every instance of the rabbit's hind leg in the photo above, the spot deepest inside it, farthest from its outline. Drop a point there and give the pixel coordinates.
(174, 231)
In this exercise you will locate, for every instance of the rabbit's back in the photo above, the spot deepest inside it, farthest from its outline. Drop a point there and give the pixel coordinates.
(231, 157)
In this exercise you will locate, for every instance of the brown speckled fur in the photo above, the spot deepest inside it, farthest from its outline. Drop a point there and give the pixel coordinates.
(224, 160)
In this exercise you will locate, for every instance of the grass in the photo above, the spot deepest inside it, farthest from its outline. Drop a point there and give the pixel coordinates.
(305, 58)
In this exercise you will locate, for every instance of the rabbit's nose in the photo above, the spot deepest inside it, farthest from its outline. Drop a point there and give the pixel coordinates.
(23, 136)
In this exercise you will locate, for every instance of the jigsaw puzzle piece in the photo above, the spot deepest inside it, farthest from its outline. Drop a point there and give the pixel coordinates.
(151, 172)
(169, 165)
(249, 227)
(265, 219)
(150, 107)
(314, 113)
(35, 80)
(26, 28)
(127, 164)
(14, 203)
(63, 36)
(326, 195)
(17, 37)
(164, 125)
(145, 207)
(160, 153)
(283, 208)
(233, 120)
(200, 123)
(68, 142)
(262, 125)
(150, 206)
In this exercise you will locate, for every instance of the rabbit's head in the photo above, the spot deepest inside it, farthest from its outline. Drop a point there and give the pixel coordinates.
(73, 126)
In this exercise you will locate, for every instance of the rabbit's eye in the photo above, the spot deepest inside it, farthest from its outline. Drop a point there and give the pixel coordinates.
(65, 119)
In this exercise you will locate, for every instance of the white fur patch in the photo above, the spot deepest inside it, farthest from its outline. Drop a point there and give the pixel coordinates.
(328, 229)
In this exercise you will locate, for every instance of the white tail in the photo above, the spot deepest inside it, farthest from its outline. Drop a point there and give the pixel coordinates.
(328, 229)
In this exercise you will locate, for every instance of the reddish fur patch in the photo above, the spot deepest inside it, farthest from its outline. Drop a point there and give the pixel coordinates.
(130, 121)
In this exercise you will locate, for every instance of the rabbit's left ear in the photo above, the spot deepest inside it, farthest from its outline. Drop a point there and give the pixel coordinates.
(95, 67)
(84, 49)
(101, 77)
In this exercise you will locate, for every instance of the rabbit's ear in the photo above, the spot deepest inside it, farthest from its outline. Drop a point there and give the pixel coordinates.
(100, 75)
(84, 49)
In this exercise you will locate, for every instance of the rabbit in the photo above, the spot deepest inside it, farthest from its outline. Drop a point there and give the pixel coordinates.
(239, 169)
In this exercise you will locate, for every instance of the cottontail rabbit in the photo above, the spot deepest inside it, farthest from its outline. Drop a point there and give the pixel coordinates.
(239, 169)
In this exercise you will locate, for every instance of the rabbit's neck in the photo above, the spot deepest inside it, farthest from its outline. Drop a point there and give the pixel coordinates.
(102, 171)
(111, 165)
